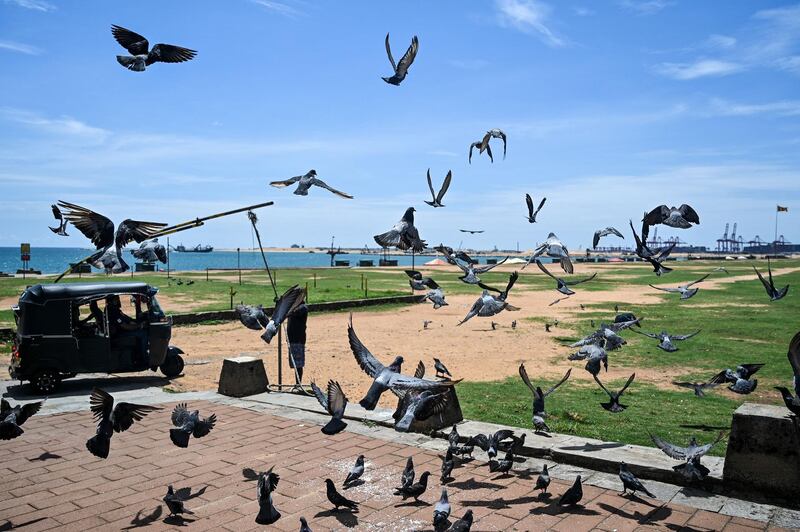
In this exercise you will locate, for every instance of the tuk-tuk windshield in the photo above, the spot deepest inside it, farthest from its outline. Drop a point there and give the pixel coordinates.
(156, 314)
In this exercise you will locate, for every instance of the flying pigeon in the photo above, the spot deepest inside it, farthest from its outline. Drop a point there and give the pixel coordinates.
(483, 144)
(490, 443)
(100, 230)
(111, 419)
(61, 230)
(441, 512)
(606, 335)
(337, 499)
(665, 339)
(630, 482)
(604, 232)
(654, 257)
(437, 198)
(453, 438)
(478, 144)
(533, 213)
(699, 388)
(356, 472)
(175, 499)
(12, 418)
(151, 251)
(403, 235)
(447, 465)
(142, 55)
(573, 495)
(773, 293)
(721, 269)
(594, 356)
(189, 423)
(436, 296)
(305, 182)
(386, 377)
(614, 405)
(418, 405)
(680, 218)
(684, 290)
(553, 247)
(418, 282)
(539, 413)
(543, 480)
(267, 483)
(739, 378)
(401, 69)
(692, 469)
(252, 317)
(416, 489)
(334, 403)
(563, 285)
(488, 305)
(471, 272)
(462, 525)
(290, 300)
(407, 478)
(472, 231)
(441, 370)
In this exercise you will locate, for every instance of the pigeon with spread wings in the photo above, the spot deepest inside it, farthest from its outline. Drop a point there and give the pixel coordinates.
(563, 285)
(111, 419)
(189, 424)
(12, 418)
(142, 56)
(665, 339)
(553, 247)
(291, 299)
(489, 305)
(403, 235)
(604, 232)
(401, 68)
(614, 405)
(437, 198)
(61, 230)
(305, 182)
(739, 378)
(539, 413)
(533, 213)
(773, 293)
(334, 403)
(691, 469)
(678, 217)
(685, 290)
(471, 271)
(267, 483)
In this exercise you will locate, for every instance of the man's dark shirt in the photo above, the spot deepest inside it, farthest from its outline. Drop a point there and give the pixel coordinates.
(116, 318)
(296, 325)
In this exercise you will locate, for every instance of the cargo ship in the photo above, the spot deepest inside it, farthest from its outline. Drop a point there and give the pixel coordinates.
(199, 248)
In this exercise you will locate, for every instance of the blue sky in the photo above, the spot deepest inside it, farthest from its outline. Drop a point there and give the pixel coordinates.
(611, 108)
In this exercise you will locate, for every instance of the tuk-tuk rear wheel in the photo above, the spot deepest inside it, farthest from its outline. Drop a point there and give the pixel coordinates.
(172, 366)
(46, 381)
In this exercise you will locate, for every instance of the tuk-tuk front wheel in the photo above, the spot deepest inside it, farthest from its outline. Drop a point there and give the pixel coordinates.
(46, 381)
(172, 366)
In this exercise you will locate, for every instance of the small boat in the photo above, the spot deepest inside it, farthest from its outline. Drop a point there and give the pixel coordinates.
(197, 249)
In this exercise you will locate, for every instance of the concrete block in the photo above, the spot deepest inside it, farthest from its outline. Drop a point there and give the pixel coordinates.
(451, 415)
(241, 376)
(764, 451)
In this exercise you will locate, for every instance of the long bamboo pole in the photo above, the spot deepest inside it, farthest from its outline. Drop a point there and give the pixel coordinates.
(197, 222)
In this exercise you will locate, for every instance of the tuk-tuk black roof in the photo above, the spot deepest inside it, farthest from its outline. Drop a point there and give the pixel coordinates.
(42, 293)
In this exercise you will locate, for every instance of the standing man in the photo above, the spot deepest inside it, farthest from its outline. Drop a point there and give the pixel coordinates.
(296, 331)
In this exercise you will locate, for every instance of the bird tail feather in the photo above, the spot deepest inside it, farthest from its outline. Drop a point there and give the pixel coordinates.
(179, 437)
(334, 426)
(99, 445)
(267, 515)
(131, 63)
(9, 431)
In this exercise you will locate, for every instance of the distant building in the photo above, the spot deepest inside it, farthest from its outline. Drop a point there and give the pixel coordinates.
(772, 248)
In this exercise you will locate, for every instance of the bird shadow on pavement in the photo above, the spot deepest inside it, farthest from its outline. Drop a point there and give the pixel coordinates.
(8, 525)
(553, 508)
(704, 427)
(473, 484)
(47, 455)
(501, 503)
(412, 503)
(177, 520)
(83, 386)
(542, 433)
(140, 521)
(656, 514)
(354, 484)
(592, 447)
(346, 518)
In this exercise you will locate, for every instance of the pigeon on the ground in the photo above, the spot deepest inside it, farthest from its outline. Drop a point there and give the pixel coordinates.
(488, 305)
(699, 388)
(554, 248)
(252, 317)
(691, 469)
(665, 339)
(289, 300)
(573, 495)
(447, 465)
(494, 326)
(305, 182)
(623, 317)
(513, 324)
(453, 438)
(562, 284)
(462, 525)
(441, 512)
(12, 418)
(401, 69)
(304, 525)
(533, 213)
(678, 217)
(189, 424)
(151, 251)
(142, 56)
(441, 369)
(407, 478)
(543, 480)
(356, 472)
(386, 377)
(334, 403)
(630, 482)
(773, 293)
(337, 499)
(175, 499)
(614, 405)
(685, 290)
(471, 272)
(739, 378)
(403, 235)
(464, 450)
(437, 198)
(111, 419)
(418, 282)
(539, 412)
(594, 356)
(502, 466)
(61, 230)
(267, 483)
(604, 232)
(483, 144)
(490, 443)
(416, 489)
(100, 230)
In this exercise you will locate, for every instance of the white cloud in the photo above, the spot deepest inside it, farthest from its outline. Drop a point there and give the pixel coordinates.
(780, 108)
(699, 69)
(65, 126)
(19, 47)
(280, 8)
(720, 41)
(36, 5)
(528, 16)
(645, 7)
(582, 11)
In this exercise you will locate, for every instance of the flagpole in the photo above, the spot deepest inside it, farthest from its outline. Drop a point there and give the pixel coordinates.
(775, 242)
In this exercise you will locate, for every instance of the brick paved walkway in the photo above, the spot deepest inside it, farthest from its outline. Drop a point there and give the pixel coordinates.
(77, 491)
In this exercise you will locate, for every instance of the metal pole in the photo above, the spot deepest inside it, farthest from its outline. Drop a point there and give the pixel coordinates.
(239, 265)
(167, 257)
(366, 287)
(775, 242)
(206, 273)
(315, 279)
(280, 357)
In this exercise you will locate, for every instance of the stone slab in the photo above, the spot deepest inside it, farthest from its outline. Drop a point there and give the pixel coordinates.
(243, 376)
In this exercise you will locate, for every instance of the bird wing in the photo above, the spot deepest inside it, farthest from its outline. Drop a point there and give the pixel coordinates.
(4, 406)
(489, 152)
(130, 230)
(452, 259)
(471, 147)
(131, 41)
(287, 302)
(476, 308)
(420, 371)
(179, 414)
(650, 335)
(408, 57)
(700, 450)
(169, 53)
(794, 355)
(94, 226)
(504, 139)
(559, 383)
(27, 411)
(272, 479)
(430, 185)
(56, 212)
(480, 440)
(579, 281)
(596, 238)
(101, 404)
(414, 274)
(405, 382)
(657, 215)
(689, 214)
(541, 204)
(249, 474)
(764, 282)
(673, 451)
(204, 426)
(750, 369)
(719, 378)
(529, 201)
(286, 182)
(366, 360)
(541, 267)
(603, 387)
(445, 186)
(665, 289)
(685, 336)
(628, 383)
(523, 373)
(700, 280)
(484, 269)
(389, 53)
(126, 413)
(336, 398)
(321, 397)
(320, 183)
(182, 494)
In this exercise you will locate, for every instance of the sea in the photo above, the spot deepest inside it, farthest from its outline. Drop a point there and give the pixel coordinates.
(55, 260)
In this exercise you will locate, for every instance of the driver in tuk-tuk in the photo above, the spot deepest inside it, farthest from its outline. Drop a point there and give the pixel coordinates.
(120, 324)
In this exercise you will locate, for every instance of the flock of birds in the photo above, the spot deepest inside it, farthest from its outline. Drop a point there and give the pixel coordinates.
(418, 398)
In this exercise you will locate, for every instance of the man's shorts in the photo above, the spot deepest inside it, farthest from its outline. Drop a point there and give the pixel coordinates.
(298, 352)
